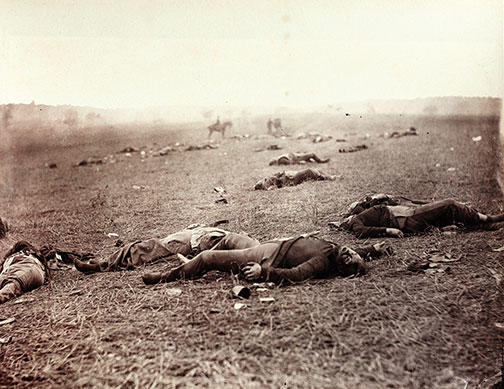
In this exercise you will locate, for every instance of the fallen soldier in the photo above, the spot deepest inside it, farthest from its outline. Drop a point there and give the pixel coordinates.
(90, 161)
(291, 178)
(189, 241)
(315, 137)
(290, 260)
(394, 220)
(353, 149)
(206, 146)
(369, 201)
(294, 158)
(23, 268)
(408, 132)
(164, 151)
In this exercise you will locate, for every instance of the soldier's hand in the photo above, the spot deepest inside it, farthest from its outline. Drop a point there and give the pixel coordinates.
(394, 232)
(252, 271)
(383, 248)
(47, 252)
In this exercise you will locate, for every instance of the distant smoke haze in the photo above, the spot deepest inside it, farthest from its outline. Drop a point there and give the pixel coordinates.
(70, 117)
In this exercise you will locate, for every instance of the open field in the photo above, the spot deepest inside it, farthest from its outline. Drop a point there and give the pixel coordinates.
(389, 328)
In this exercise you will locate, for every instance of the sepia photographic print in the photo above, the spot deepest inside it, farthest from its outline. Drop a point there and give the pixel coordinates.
(251, 194)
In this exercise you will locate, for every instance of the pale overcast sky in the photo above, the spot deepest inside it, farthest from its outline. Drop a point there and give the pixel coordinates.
(132, 53)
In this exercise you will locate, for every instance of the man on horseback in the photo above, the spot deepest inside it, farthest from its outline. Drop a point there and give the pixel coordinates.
(219, 127)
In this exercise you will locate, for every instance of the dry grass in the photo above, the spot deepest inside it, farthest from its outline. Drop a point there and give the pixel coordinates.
(390, 328)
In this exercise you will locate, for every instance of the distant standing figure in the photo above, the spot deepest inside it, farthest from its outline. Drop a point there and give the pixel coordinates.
(274, 126)
(269, 124)
(293, 158)
(291, 178)
(277, 125)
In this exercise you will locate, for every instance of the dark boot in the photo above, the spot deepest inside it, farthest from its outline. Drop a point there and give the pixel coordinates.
(152, 278)
(86, 267)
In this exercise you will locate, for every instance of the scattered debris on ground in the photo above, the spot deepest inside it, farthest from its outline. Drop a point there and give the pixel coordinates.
(240, 291)
(433, 262)
(238, 306)
(173, 292)
(221, 192)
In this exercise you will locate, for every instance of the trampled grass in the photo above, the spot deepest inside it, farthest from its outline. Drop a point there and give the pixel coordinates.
(390, 328)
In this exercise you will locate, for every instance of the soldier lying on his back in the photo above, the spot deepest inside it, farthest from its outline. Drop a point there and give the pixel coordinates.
(290, 260)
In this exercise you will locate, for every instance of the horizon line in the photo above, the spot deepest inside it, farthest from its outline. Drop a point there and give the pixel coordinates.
(254, 105)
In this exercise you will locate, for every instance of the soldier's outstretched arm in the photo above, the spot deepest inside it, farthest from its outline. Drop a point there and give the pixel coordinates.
(315, 267)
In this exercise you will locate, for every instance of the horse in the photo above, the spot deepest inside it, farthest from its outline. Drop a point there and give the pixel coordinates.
(219, 127)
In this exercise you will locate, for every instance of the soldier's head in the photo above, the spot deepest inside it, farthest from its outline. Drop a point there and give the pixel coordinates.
(277, 180)
(350, 263)
(261, 184)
